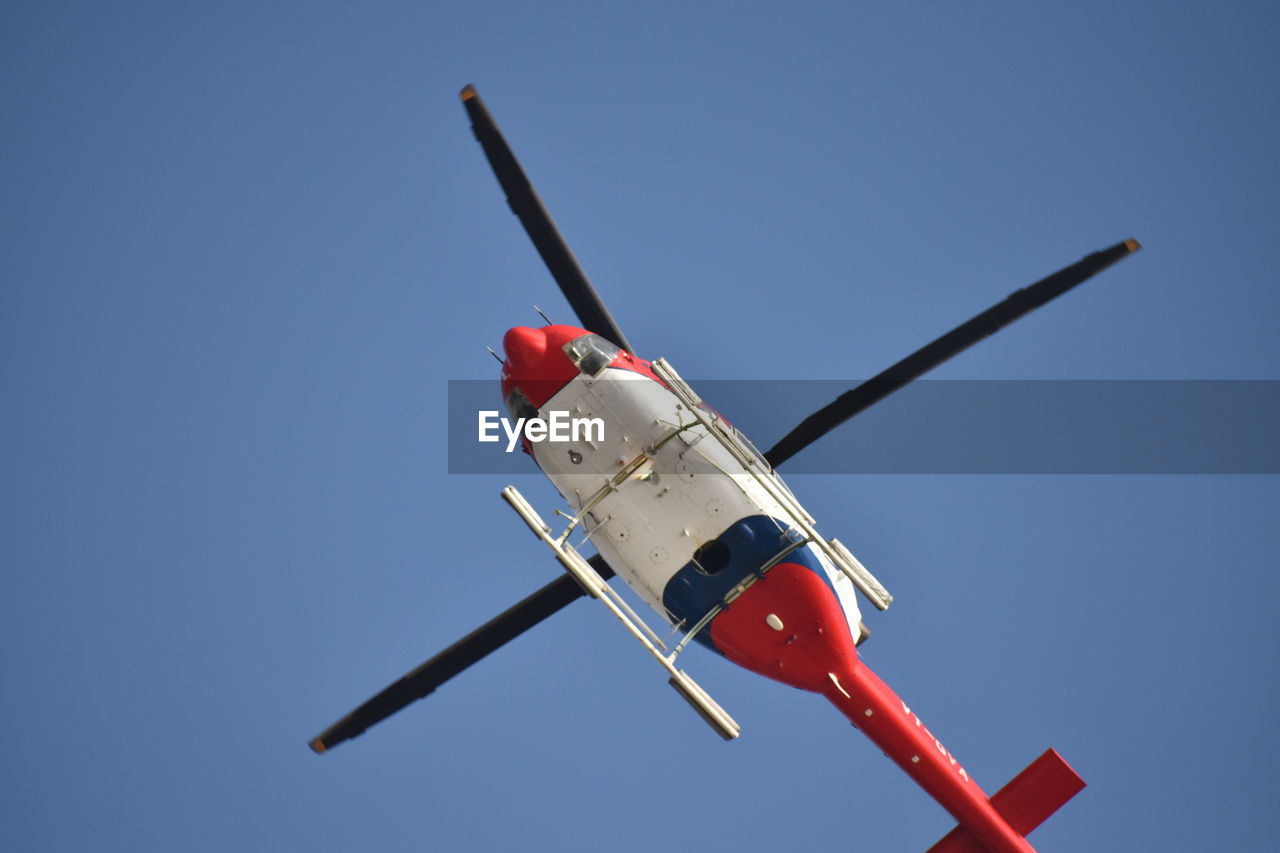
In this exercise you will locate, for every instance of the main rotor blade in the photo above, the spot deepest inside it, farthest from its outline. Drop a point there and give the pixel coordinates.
(533, 215)
(1018, 304)
(494, 634)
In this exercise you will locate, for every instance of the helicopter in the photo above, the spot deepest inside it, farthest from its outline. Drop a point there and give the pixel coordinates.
(697, 522)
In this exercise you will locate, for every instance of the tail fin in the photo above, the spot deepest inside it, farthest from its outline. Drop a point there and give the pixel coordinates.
(1025, 803)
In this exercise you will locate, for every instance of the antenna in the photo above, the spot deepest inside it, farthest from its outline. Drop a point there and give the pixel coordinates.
(495, 355)
(544, 316)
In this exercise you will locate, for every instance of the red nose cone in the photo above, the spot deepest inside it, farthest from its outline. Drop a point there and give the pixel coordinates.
(536, 362)
(524, 347)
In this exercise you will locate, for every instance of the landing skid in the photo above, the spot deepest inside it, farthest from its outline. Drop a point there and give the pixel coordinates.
(596, 587)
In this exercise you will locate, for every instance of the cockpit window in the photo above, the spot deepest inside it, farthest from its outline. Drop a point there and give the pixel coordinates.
(742, 438)
(591, 353)
(518, 406)
(764, 463)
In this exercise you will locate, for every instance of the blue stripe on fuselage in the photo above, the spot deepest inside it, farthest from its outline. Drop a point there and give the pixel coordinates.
(751, 542)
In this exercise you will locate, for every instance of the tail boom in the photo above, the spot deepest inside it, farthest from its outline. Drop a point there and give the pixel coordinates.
(873, 708)
(789, 626)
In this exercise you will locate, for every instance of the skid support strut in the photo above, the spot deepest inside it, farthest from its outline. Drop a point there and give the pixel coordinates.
(596, 587)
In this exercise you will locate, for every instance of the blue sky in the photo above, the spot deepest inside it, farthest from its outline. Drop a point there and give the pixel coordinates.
(245, 249)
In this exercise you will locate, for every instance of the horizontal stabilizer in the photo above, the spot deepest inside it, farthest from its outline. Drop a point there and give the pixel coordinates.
(1025, 803)
(1037, 792)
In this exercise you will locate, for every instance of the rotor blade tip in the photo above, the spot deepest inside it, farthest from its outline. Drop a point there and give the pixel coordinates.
(318, 747)
(1132, 245)
(468, 92)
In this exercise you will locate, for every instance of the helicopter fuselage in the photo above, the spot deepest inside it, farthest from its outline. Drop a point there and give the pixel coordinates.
(721, 550)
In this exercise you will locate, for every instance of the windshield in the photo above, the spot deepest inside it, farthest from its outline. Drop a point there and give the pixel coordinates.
(518, 406)
(591, 353)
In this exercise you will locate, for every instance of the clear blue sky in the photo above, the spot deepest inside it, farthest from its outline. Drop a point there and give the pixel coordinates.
(246, 245)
